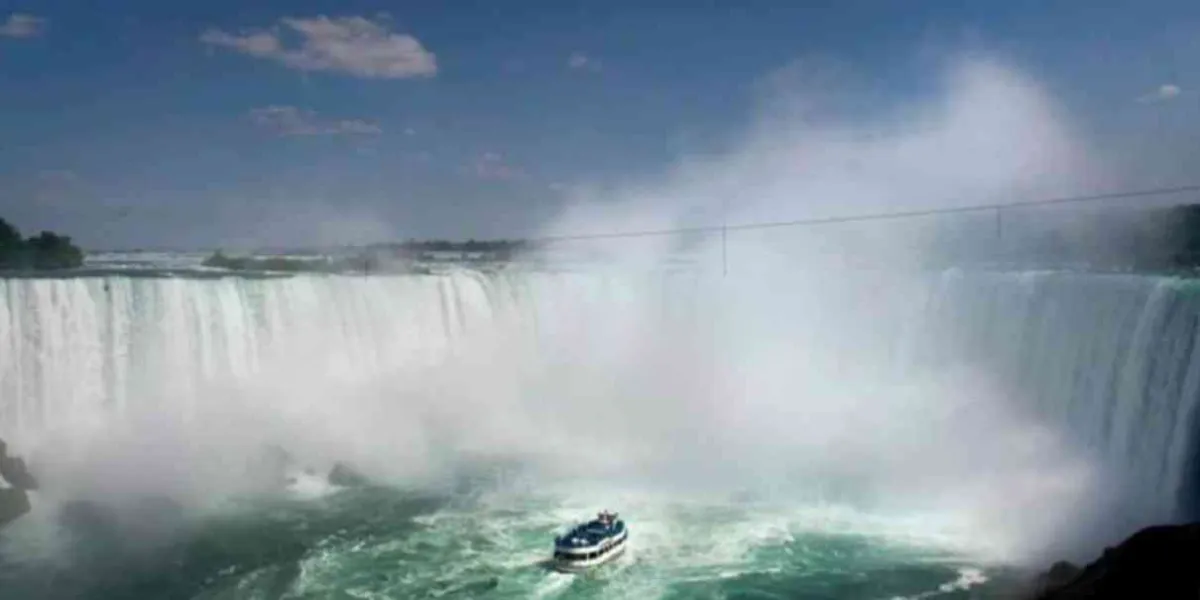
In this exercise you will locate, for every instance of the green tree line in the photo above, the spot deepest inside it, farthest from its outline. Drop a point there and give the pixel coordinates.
(44, 251)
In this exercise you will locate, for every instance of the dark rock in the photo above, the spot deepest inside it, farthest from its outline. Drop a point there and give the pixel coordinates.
(85, 516)
(268, 468)
(277, 457)
(1156, 562)
(130, 530)
(1060, 574)
(14, 471)
(13, 504)
(346, 476)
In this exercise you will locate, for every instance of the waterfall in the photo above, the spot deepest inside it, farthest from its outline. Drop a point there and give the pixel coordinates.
(1109, 361)
(82, 345)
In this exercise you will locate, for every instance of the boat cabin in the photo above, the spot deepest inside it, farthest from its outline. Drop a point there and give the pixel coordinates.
(591, 543)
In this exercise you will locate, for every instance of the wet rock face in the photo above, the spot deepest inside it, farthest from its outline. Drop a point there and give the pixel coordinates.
(345, 475)
(268, 469)
(14, 501)
(14, 471)
(1060, 574)
(1157, 562)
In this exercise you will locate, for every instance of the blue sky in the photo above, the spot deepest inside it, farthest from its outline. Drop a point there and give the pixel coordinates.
(147, 123)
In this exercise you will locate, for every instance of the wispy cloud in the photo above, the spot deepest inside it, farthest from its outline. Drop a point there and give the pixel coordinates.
(58, 175)
(582, 62)
(293, 121)
(492, 166)
(19, 25)
(1165, 92)
(351, 45)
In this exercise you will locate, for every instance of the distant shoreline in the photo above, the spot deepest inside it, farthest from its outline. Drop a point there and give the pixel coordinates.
(1162, 241)
(426, 270)
(46, 251)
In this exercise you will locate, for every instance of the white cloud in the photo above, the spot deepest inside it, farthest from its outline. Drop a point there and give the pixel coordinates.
(1165, 92)
(352, 45)
(581, 62)
(290, 121)
(492, 166)
(20, 25)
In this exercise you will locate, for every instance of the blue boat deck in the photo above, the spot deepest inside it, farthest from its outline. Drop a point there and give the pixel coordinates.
(589, 534)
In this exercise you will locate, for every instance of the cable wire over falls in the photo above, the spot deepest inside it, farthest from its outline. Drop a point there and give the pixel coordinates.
(904, 214)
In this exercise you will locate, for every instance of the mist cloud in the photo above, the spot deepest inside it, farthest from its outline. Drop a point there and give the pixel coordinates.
(23, 26)
(779, 377)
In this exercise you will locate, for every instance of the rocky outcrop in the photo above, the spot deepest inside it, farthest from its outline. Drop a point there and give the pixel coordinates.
(1060, 574)
(14, 503)
(14, 500)
(269, 469)
(345, 476)
(14, 471)
(142, 521)
(1157, 562)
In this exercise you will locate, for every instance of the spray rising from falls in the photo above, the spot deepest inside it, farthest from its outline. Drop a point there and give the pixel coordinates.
(949, 388)
(823, 371)
(386, 371)
(1110, 360)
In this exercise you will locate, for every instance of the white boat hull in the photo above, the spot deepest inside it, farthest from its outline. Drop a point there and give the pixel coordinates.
(590, 544)
(578, 566)
(587, 557)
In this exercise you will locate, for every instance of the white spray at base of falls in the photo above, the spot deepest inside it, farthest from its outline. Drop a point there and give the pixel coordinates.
(1110, 360)
(1012, 402)
(377, 368)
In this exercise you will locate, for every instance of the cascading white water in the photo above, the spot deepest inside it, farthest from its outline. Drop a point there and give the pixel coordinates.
(85, 352)
(728, 380)
(1110, 360)
(75, 347)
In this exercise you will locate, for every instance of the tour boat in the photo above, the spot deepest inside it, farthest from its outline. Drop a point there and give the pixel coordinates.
(590, 544)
